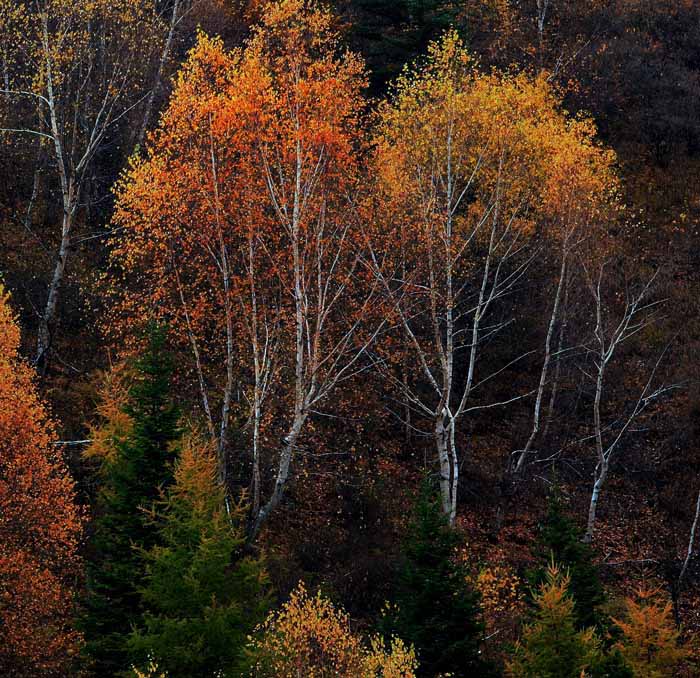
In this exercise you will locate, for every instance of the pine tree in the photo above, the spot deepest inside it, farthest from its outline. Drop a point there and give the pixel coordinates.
(203, 597)
(130, 482)
(552, 647)
(435, 608)
(560, 540)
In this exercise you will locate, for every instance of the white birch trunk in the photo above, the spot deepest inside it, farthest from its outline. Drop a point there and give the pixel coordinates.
(691, 544)
(446, 477)
(545, 367)
(157, 83)
(70, 195)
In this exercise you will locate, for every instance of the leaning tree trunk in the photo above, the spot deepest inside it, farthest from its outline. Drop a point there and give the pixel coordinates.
(48, 317)
(70, 192)
(290, 441)
(158, 81)
(601, 475)
(545, 369)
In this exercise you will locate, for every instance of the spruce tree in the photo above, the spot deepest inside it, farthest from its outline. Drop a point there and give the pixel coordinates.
(552, 647)
(560, 540)
(435, 608)
(203, 596)
(130, 481)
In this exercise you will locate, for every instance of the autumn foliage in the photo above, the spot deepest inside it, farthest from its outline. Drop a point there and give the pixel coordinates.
(274, 262)
(474, 173)
(238, 229)
(309, 636)
(40, 524)
(650, 643)
(551, 645)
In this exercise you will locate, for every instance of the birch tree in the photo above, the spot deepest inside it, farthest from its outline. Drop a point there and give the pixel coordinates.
(586, 195)
(241, 231)
(468, 169)
(311, 171)
(198, 239)
(79, 76)
(610, 332)
(172, 19)
(690, 552)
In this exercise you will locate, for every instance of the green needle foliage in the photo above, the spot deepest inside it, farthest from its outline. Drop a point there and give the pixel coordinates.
(560, 540)
(435, 608)
(552, 646)
(392, 33)
(131, 480)
(203, 596)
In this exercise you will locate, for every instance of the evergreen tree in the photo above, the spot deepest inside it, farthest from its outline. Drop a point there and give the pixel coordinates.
(392, 33)
(435, 608)
(612, 665)
(203, 597)
(131, 479)
(560, 540)
(552, 647)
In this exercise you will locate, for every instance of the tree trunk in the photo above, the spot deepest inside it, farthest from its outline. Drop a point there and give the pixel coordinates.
(545, 368)
(256, 455)
(164, 56)
(601, 475)
(275, 499)
(301, 392)
(447, 479)
(455, 475)
(70, 192)
(46, 322)
(691, 544)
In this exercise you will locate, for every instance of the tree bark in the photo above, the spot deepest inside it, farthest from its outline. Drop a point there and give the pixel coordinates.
(164, 56)
(691, 544)
(601, 475)
(283, 467)
(545, 368)
(46, 322)
(446, 476)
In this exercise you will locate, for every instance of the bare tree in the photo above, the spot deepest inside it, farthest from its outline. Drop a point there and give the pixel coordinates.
(608, 336)
(171, 18)
(82, 71)
(691, 545)
(557, 311)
